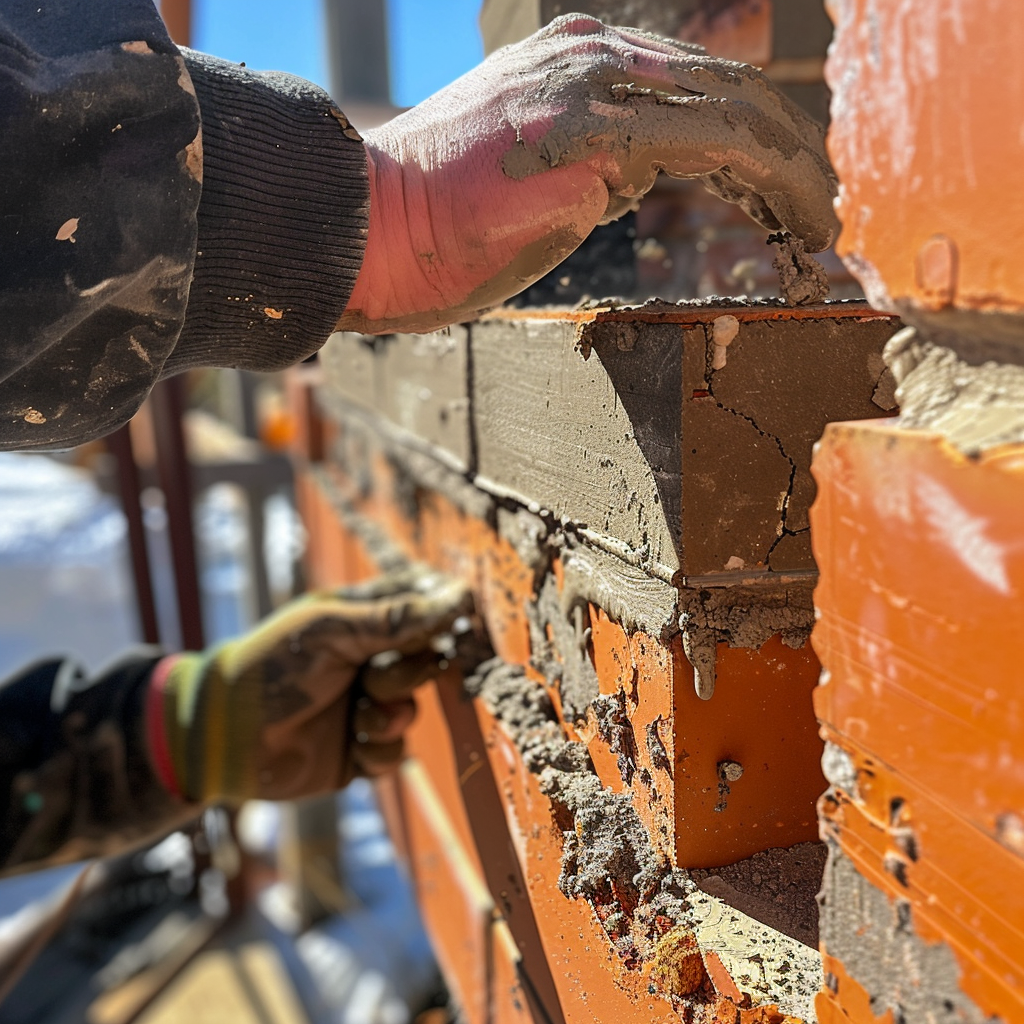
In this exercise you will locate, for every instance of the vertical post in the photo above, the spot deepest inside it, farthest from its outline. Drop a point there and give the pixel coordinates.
(358, 51)
(120, 445)
(168, 404)
(177, 15)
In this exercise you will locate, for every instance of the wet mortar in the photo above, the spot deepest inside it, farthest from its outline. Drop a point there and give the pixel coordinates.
(649, 910)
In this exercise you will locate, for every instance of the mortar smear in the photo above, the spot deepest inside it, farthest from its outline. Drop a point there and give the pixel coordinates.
(650, 911)
(778, 887)
(525, 710)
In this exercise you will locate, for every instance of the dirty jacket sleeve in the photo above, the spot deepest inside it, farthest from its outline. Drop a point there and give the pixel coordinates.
(159, 210)
(76, 779)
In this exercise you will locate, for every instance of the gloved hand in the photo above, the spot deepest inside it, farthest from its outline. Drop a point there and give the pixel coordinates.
(318, 693)
(485, 186)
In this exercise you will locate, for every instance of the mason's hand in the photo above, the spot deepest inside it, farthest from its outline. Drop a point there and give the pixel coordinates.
(315, 695)
(490, 183)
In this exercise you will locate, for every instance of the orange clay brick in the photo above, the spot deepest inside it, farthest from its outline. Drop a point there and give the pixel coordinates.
(929, 202)
(922, 583)
(760, 718)
(843, 1000)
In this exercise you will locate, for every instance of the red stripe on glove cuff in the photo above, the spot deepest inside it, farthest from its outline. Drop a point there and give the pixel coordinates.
(156, 732)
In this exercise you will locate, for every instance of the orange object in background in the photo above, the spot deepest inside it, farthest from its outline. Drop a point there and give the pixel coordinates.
(921, 600)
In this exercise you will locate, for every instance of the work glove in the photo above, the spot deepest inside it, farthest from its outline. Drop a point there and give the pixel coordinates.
(485, 186)
(318, 693)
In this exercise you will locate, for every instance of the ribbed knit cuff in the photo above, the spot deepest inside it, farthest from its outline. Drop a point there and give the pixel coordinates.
(282, 219)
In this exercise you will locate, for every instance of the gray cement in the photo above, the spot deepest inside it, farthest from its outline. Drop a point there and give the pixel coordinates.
(757, 915)
(977, 336)
(628, 595)
(559, 642)
(525, 710)
(530, 535)
(777, 887)
(747, 616)
(975, 407)
(802, 279)
(875, 940)
(616, 729)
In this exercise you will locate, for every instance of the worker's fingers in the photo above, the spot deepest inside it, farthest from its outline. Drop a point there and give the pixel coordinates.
(381, 722)
(632, 104)
(401, 614)
(392, 676)
(727, 123)
(741, 153)
(406, 622)
(404, 579)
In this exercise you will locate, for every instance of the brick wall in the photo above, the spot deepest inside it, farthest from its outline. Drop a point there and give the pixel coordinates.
(628, 794)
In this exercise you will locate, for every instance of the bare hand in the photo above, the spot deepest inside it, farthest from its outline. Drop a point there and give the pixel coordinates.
(488, 184)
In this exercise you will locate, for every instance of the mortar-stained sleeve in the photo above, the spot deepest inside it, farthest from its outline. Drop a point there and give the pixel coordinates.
(137, 243)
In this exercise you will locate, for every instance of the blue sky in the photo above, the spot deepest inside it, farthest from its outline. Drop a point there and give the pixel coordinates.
(287, 35)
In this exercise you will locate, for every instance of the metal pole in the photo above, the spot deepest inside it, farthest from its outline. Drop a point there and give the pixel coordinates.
(120, 445)
(177, 15)
(168, 404)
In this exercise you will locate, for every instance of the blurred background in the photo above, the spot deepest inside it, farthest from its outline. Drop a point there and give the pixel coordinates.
(182, 529)
(415, 33)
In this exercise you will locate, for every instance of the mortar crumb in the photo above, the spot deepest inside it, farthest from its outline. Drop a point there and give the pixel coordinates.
(802, 279)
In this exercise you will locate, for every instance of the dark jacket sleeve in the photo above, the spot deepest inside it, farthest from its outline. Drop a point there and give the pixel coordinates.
(75, 776)
(120, 154)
